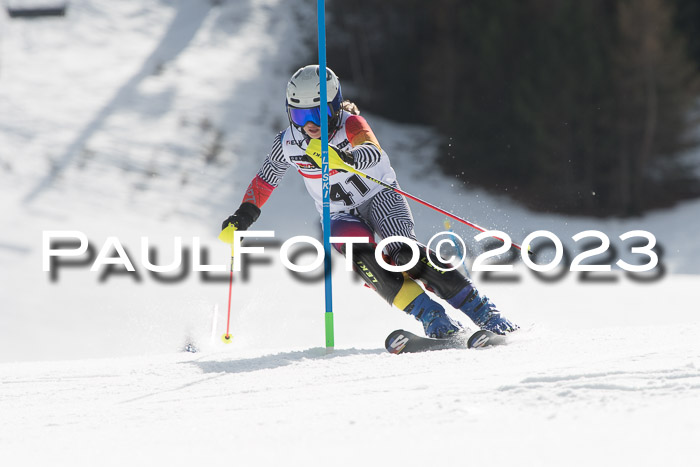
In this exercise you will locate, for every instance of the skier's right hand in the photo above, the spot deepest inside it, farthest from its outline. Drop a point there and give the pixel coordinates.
(243, 218)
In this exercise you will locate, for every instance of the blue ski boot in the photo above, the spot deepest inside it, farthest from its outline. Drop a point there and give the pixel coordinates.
(482, 311)
(435, 321)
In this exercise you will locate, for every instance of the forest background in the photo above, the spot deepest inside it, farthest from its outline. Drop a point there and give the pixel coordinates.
(583, 107)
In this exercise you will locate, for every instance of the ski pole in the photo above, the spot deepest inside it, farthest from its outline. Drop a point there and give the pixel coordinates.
(313, 150)
(448, 226)
(226, 236)
(430, 205)
(227, 337)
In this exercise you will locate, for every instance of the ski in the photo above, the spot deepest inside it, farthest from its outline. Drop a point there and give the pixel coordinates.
(401, 341)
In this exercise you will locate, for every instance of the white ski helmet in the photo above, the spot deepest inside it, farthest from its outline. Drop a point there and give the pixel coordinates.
(304, 96)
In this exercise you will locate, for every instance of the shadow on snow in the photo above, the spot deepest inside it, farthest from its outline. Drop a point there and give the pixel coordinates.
(269, 362)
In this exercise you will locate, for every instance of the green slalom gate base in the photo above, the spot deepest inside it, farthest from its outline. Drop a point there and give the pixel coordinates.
(330, 340)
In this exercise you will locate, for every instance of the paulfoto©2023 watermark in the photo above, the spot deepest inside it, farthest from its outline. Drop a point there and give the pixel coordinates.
(72, 249)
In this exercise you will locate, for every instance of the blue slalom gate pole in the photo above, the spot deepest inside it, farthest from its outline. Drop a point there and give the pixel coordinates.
(325, 173)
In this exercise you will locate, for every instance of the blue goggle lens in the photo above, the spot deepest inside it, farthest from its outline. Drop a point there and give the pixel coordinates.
(302, 116)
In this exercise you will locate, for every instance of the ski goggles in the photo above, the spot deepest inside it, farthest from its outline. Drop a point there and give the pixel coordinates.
(301, 117)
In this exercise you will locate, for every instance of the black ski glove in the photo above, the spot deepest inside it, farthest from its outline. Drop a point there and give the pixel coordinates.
(243, 217)
(346, 156)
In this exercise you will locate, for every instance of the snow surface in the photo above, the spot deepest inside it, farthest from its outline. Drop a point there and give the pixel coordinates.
(108, 125)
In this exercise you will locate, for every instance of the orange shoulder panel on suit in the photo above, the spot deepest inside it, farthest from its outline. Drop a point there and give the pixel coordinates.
(359, 132)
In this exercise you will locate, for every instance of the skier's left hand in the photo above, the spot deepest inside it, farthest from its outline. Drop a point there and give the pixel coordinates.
(346, 156)
(338, 159)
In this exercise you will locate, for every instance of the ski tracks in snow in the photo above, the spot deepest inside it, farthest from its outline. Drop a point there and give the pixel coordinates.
(547, 387)
(674, 382)
(609, 368)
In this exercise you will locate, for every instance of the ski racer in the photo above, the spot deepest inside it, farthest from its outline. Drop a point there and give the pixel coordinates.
(361, 208)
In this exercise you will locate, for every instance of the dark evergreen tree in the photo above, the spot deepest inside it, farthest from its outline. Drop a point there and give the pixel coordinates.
(687, 22)
(569, 106)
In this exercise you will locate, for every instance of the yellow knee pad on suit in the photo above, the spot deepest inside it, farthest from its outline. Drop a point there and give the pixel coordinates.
(407, 293)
